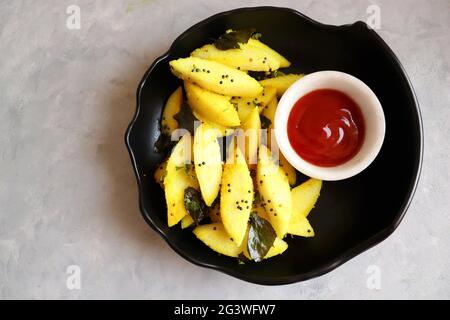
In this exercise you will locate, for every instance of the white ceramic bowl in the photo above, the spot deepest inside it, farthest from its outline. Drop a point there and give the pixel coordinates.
(371, 110)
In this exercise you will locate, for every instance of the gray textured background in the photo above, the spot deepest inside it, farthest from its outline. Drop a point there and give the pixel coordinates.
(67, 190)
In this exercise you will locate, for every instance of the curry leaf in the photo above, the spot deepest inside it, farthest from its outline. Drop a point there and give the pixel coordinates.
(194, 204)
(258, 75)
(265, 122)
(243, 35)
(262, 75)
(185, 118)
(164, 144)
(231, 40)
(261, 236)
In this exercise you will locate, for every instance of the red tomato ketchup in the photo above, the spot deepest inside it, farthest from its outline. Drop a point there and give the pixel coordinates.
(326, 128)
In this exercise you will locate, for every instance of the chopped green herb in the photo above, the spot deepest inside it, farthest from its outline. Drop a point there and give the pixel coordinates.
(242, 258)
(256, 103)
(187, 168)
(278, 73)
(257, 198)
(256, 36)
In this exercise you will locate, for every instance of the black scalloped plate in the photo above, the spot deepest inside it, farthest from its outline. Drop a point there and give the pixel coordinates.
(351, 215)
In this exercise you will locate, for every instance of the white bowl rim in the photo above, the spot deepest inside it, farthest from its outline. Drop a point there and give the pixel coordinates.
(371, 109)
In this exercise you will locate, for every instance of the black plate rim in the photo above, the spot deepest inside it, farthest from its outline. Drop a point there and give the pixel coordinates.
(349, 254)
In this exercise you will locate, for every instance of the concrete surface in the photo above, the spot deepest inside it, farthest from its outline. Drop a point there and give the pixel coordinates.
(67, 191)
